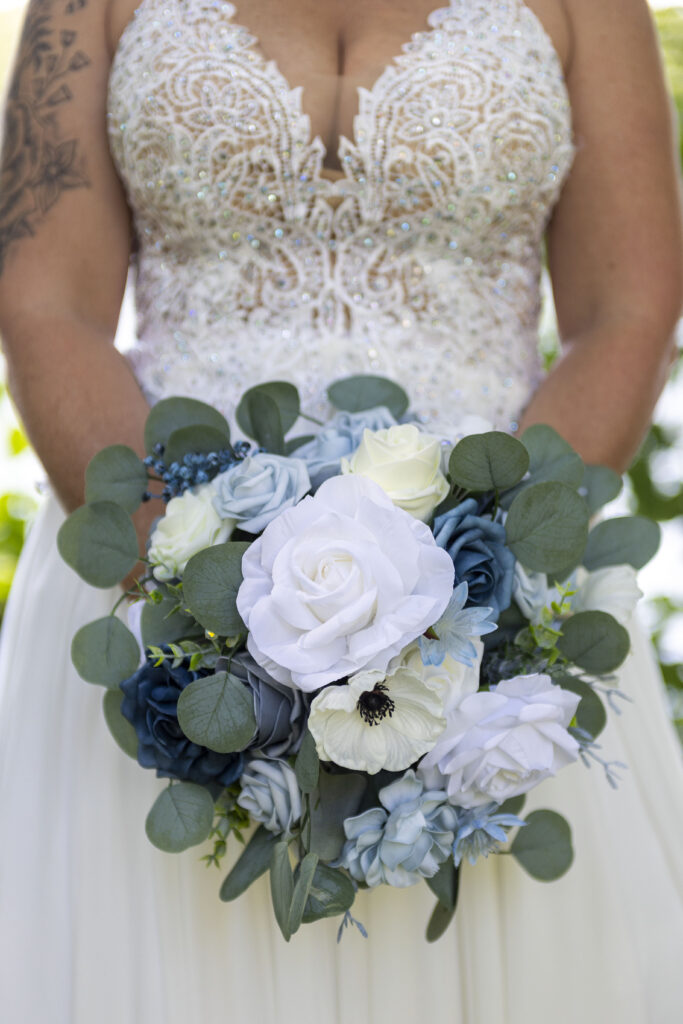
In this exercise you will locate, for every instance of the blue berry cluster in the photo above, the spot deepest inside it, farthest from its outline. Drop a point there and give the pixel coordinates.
(194, 469)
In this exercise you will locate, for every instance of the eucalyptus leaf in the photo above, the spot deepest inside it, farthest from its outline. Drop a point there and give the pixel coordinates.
(210, 583)
(283, 395)
(282, 886)
(551, 457)
(217, 712)
(594, 641)
(118, 725)
(513, 805)
(253, 862)
(599, 486)
(544, 846)
(161, 623)
(337, 797)
(171, 414)
(439, 921)
(181, 817)
(591, 715)
(444, 884)
(296, 442)
(488, 462)
(195, 440)
(631, 540)
(365, 391)
(267, 428)
(116, 474)
(99, 542)
(307, 764)
(331, 893)
(547, 526)
(105, 652)
(302, 888)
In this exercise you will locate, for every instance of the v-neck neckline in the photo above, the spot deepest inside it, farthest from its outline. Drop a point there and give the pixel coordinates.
(297, 92)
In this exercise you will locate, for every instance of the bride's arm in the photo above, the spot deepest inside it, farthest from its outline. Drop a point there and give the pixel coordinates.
(64, 247)
(614, 242)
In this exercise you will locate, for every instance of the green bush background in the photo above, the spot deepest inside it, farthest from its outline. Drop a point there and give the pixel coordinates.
(648, 495)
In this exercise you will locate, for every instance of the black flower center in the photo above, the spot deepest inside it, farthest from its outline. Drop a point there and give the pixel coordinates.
(374, 705)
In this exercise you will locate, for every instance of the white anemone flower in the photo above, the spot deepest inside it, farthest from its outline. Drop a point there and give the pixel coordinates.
(386, 720)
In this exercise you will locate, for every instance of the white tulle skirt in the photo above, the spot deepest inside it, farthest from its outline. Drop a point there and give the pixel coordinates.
(98, 927)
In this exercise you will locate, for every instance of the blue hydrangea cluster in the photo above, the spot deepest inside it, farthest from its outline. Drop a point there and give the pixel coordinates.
(195, 468)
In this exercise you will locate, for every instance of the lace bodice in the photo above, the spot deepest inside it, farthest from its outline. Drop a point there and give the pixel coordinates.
(422, 263)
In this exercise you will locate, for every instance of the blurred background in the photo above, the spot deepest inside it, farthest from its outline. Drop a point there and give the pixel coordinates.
(654, 483)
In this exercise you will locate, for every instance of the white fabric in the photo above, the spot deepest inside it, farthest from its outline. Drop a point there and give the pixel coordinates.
(95, 924)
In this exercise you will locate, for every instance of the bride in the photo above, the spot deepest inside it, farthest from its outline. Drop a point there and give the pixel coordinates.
(312, 189)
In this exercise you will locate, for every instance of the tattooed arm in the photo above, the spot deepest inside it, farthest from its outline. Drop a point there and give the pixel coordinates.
(64, 246)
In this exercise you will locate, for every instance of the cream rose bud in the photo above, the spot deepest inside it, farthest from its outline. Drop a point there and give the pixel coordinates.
(189, 525)
(406, 463)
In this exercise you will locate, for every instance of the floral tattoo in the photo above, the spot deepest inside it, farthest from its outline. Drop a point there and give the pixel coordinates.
(38, 164)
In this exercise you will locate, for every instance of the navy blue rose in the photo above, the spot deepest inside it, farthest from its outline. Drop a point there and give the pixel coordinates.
(480, 555)
(150, 705)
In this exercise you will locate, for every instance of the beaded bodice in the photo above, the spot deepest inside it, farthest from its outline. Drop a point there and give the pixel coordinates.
(422, 263)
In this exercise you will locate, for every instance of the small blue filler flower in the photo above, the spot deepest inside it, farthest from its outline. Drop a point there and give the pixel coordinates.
(455, 630)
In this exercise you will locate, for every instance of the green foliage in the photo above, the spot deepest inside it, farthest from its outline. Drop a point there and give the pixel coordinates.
(116, 474)
(594, 641)
(282, 886)
(488, 462)
(365, 391)
(337, 797)
(105, 652)
(99, 542)
(303, 881)
(172, 414)
(269, 409)
(181, 817)
(591, 715)
(439, 921)
(547, 526)
(16, 511)
(229, 819)
(210, 584)
(119, 726)
(253, 862)
(162, 620)
(544, 846)
(307, 764)
(331, 893)
(200, 440)
(624, 539)
(217, 712)
(444, 884)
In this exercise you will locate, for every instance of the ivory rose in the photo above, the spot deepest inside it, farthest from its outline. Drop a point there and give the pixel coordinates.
(406, 463)
(189, 525)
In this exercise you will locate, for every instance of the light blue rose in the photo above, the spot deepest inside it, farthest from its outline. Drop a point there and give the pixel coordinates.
(271, 794)
(404, 840)
(339, 437)
(259, 488)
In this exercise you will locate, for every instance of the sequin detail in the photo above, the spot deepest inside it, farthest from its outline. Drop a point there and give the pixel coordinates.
(421, 263)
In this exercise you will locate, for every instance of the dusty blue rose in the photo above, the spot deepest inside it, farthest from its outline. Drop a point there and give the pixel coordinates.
(339, 437)
(271, 794)
(259, 488)
(480, 555)
(150, 705)
(404, 840)
(280, 710)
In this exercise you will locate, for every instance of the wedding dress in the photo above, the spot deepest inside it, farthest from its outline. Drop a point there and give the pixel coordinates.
(421, 264)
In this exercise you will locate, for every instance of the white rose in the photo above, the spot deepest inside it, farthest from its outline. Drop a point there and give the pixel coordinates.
(340, 582)
(189, 525)
(405, 462)
(612, 589)
(387, 720)
(502, 743)
(531, 592)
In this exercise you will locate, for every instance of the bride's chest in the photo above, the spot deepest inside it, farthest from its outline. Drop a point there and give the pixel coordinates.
(469, 119)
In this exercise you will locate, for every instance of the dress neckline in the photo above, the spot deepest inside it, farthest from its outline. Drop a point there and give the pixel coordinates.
(296, 92)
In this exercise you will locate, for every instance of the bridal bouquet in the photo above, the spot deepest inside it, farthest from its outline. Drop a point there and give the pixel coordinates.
(363, 646)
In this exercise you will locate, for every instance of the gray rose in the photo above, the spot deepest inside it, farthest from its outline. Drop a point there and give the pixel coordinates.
(259, 488)
(271, 794)
(339, 437)
(280, 710)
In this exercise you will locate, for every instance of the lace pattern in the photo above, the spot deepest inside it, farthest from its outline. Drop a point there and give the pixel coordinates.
(421, 263)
